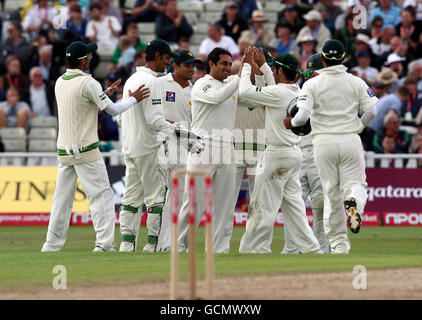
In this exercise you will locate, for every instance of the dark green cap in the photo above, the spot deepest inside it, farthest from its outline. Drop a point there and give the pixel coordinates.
(314, 62)
(268, 57)
(286, 60)
(186, 56)
(161, 46)
(78, 50)
(333, 50)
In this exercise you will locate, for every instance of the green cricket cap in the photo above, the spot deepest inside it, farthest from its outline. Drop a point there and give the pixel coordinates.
(268, 57)
(78, 50)
(186, 56)
(314, 62)
(286, 60)
(161, 46)
(333, 50)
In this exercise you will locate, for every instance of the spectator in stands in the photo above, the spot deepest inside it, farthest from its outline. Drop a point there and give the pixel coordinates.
(256, 33)
(13, 112)
(65, 10)
(307, 47)
(389, 79)
(108, 8)
(144, 11)
(102, 29)
(315, 28)
(216, 38)
(183, 44)
(41, 95)
(2, 90)
(246, 8)
(414, 69)
(388, 146)
(419, 147)
(135, 41)
(128, 52)
(347, 35)
(15, 44)
(330, 12)
(389, 102)
(415, 4)
(171, 25)
(361, 44)
(381, 45)
(50, 69)
(389, 13)
(392, 128)
(107, 130)
(125, 71)
(76, 24)
(378, 88)
(200, 71)
(363, 69)
(290, 15)
(395, 63)
(39, 18)
(243, 43)
(409, 29)
(15, 78)
(284, 42)
(413, 103)
(232, 23)
(376, 27)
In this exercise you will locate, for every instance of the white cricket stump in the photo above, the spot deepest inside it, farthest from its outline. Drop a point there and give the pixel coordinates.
(174, 263)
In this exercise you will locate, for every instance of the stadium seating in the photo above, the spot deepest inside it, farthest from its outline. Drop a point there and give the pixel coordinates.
(273, 6)
(14, 139)
(210, 17)
(192, 17)
(190, 6)
(215, 6)
(44, 122)
(146, 28)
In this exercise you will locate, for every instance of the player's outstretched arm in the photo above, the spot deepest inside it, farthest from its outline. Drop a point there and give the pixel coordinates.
(134, 97)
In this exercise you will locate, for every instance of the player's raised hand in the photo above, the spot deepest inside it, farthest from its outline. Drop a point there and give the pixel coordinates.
(259, 56)
(113, 87)
(248, 56)
(140, 94)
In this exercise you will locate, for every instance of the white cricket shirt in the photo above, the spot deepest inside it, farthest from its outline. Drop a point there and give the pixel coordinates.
(333, 99)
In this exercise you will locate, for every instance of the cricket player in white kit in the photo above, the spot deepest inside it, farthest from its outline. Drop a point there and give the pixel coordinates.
(79, 96)
(277, 182)
(332, 102)
(177, 88)
(309, 179)
(146, 173)
(214, 103)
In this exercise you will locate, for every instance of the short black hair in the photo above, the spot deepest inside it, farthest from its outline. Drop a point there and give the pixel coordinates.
(150, 55)
(282, 25)
(289, 73)
(95, 6)
(73, 64)
(214, 56)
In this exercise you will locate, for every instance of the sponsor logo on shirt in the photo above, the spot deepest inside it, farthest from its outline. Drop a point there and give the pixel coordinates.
(155, 101)
(206, 88)
(370, 92)
(170, 96)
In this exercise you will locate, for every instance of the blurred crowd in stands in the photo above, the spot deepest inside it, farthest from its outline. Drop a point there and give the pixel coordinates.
(383, 40)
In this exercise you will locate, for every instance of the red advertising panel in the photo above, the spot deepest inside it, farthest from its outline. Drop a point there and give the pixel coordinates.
(402, 218)
(394, 190)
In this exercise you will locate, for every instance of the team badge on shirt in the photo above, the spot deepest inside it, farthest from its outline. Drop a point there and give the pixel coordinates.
(370, 92)
(170, 96)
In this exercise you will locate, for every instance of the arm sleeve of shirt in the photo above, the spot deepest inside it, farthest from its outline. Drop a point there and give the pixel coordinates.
(268, 74)
(368, 115)
(117, 108)
(366, 97)
(116, 24)
(306, 97)
(93, 92)
(300, 118)
(261, 95)
(206, 93)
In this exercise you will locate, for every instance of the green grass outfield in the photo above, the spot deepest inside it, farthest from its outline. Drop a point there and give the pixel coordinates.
(22, 264)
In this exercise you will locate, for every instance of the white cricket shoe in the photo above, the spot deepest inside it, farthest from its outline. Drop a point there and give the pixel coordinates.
(101, 249)
(47, 248)
(126, 246)
(149, 247)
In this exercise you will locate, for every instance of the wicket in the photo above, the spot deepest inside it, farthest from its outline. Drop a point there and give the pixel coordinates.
(174, 263)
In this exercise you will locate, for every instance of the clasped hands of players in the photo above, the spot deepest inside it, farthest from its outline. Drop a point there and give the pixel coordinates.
(255, 57)
(139, 94)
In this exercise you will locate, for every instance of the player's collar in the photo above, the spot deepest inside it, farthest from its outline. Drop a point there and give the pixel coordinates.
(147, 70)
(76, 71)
(333, 69)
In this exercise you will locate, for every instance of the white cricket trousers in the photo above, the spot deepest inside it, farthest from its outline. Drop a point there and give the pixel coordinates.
(145, 182)
(341, 165)
(94, 179)
(311, 186)
(223, 189)
(277, 185)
